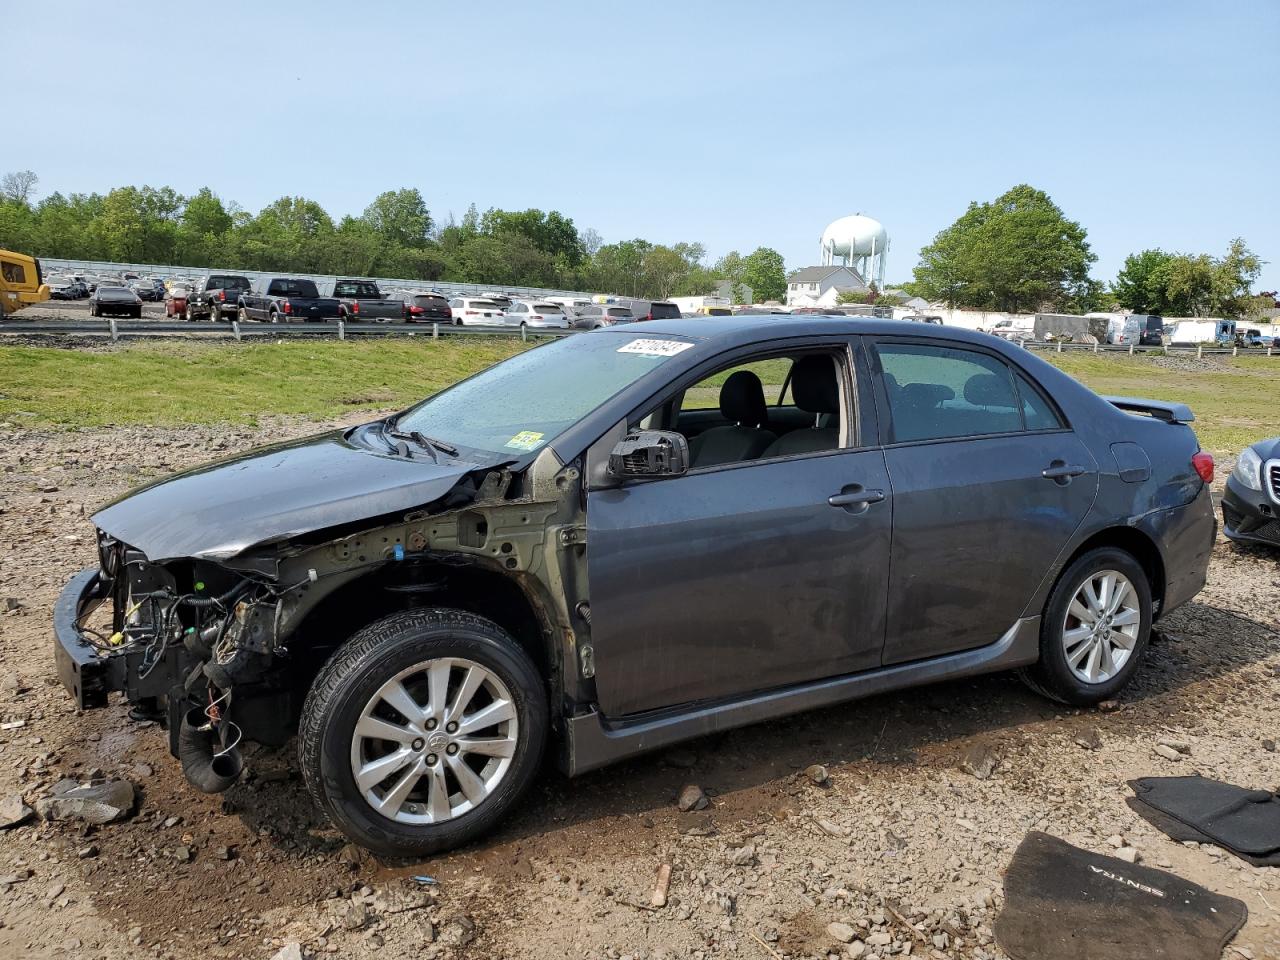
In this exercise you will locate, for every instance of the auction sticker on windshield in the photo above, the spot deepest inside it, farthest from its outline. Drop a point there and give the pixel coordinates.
(655, 348)
(525, 440)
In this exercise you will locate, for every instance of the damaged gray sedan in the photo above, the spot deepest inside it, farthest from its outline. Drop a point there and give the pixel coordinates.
(627, 538)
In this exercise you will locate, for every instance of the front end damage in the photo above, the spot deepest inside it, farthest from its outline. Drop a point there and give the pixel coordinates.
(223, 650)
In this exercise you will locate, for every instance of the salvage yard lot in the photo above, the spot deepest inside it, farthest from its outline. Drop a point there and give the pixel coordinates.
(172, 383)
(899, 828)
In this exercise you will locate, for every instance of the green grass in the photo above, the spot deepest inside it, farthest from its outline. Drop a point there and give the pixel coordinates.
(172, 383)
(1236, 400)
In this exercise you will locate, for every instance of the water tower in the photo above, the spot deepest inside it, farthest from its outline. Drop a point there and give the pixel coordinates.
(859, 242)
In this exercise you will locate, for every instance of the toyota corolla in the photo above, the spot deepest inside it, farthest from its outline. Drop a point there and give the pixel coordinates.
(631, 537)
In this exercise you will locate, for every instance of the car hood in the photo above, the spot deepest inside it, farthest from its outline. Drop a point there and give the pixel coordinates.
(1268, 449)
(273, 493)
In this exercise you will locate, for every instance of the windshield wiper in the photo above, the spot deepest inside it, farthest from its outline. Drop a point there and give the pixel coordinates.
(430, 444)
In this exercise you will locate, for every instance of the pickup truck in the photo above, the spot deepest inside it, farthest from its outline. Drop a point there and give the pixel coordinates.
(216, 297)
(282, 299)
(362, 300)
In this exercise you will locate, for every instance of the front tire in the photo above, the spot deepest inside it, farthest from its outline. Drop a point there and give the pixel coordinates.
(1095, 629)
(422, 731)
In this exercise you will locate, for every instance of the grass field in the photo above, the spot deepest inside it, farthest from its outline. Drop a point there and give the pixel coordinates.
(1236, 400)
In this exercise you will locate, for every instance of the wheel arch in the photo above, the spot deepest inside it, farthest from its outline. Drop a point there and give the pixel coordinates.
(512, 603)
(1133, 541)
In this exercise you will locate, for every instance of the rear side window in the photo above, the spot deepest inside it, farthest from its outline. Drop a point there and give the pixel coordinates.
(619, 312)
(664, 311)
(1037, 413)
(13, 272)
(938, 392)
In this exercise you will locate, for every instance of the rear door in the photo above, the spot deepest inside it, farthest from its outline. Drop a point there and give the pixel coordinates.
(989, 484)
(742, 577)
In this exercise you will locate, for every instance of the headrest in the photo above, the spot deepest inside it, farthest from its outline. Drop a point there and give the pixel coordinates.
(988, 390)
(813, 384)
(926, 394)
(742, 399)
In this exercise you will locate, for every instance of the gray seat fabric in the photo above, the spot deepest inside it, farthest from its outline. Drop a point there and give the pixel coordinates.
(741, 400)
(814, 386)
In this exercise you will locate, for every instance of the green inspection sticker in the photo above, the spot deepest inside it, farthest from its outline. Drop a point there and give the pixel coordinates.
(525, 440)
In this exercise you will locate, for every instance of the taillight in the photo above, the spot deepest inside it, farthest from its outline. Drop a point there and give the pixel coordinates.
(535, 316)
(472, 313)
(1203, 462)
(222, 295)
(415, 309)
(355, 306)
(288, 307)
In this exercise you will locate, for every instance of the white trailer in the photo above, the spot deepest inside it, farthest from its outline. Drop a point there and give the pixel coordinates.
(1203, 331)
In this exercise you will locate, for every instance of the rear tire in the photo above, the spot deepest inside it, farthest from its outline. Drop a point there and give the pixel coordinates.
(1064, 637)
(241, 316)
(215, 315)
(449, 795)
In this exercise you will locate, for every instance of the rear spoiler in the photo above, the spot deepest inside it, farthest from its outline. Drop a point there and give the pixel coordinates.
(1160, 409)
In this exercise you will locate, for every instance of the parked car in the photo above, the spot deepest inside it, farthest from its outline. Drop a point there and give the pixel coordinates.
(561, 551)
(923, 318)
(21, 282)
(1251, 500)
(1251, 337)
(362, 300)
(216, 297)
(63, 288)
(427, 307)
(1011, 329)
(653, 310)
(115, 301)
(596, 315)
(536, 313)
(175, 301)
(1151, 330)
(284, 299)
(469, 311)
(144, 289)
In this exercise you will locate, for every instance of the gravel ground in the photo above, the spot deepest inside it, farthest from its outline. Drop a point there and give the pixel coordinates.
(893, 835)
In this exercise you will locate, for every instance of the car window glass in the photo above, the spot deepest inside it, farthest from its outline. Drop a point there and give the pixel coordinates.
(772, 374)
(1036, 410)
(937, 392)
(13, 273)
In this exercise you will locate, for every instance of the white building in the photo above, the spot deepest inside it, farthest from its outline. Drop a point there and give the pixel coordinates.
(821, 286)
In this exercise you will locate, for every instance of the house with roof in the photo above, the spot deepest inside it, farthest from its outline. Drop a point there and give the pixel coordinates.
(820, 286)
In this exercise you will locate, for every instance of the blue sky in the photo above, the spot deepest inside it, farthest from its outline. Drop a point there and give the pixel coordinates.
(1152, 122)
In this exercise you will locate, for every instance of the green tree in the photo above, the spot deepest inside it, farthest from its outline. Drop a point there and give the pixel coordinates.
(1016, 253)
(1233, 279)
(400, 217)
(764, 271)
(1142, 283)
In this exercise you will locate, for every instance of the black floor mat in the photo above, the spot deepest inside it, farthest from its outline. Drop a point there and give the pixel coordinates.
(1245, 822)
(1064, 903)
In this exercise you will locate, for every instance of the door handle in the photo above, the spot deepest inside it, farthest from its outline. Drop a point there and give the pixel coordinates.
(1062, 472)
(856, 496)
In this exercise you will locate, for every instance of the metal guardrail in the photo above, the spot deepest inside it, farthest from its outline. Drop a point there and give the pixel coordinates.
(342, 330)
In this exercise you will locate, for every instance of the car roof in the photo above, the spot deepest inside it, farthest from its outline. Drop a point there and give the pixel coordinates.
(756, 328)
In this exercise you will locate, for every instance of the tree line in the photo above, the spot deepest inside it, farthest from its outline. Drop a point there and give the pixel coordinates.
(1020, 253)
(395, 236)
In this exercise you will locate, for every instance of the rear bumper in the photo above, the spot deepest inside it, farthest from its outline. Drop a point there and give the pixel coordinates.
(87, 676)
(1249, 516)
(1185, 536)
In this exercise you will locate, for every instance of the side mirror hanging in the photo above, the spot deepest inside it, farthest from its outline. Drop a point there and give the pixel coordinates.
(646, 454)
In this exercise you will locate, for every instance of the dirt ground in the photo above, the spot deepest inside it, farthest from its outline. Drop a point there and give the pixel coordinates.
(901, 842)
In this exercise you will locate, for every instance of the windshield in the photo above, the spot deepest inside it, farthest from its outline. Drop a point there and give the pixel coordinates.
(523, 403)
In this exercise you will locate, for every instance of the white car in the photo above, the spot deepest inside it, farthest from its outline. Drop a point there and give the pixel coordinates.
(536, 313)
(472, 311)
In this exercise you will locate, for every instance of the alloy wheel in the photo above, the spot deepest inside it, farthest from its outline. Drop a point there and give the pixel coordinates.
(1101, 626)
(434, 741)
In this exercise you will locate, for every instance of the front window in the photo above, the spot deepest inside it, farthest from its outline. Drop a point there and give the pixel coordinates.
(558, 384)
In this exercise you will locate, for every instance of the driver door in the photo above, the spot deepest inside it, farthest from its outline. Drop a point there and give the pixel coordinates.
(743, 577)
